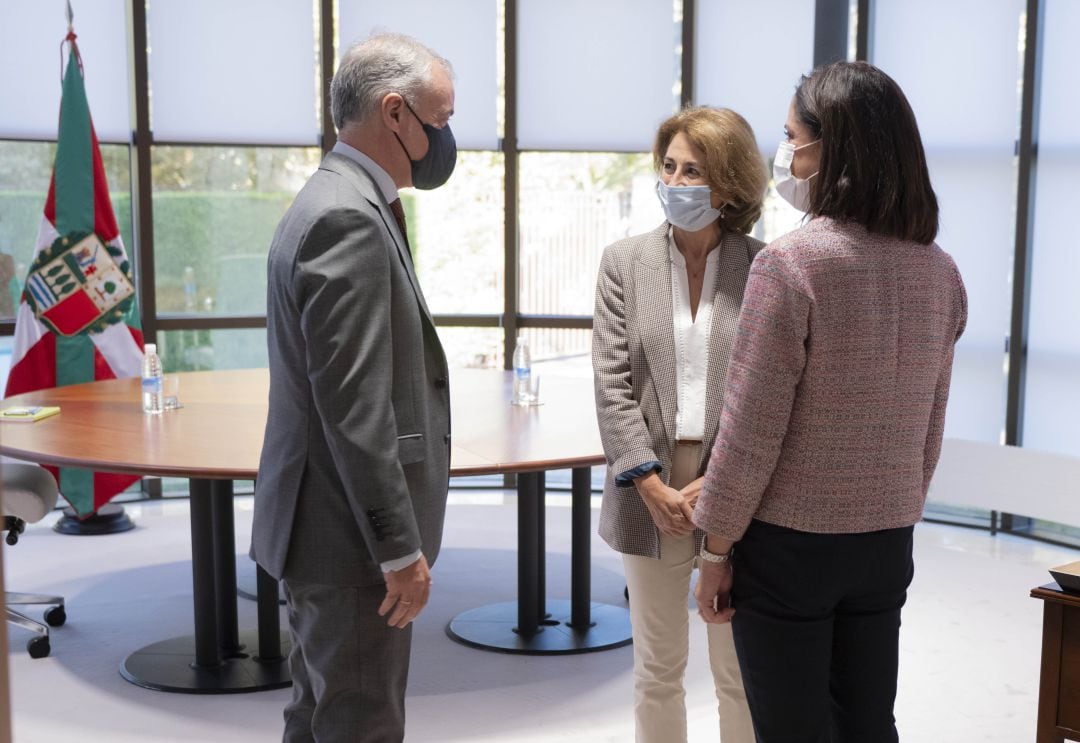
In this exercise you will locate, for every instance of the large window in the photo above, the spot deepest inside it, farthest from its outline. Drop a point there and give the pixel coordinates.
(25, 174)
(595, 76)
(1052, 404)
(30, 36)
(573, 204)
(970, 137)
(206, 349)
(557, 103)
(456, 231)
(209, 86)
(215, 210)
(456, 235)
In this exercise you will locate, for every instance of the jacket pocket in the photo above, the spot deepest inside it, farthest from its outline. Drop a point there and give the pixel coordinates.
(411, 448)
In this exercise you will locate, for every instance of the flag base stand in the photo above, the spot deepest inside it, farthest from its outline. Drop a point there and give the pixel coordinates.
(109, 519)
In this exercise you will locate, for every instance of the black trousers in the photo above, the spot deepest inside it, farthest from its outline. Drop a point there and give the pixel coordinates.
(816, 625)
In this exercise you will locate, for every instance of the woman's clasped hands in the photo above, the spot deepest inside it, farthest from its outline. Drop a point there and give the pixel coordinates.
(671, 509)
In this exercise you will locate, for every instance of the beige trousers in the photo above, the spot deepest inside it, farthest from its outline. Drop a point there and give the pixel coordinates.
(660, 620)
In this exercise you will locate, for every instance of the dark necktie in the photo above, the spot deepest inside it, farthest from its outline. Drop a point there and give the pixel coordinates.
(399, 215)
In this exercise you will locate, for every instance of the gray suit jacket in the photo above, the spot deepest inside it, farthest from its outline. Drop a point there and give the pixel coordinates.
(355, 461)
(634, 369)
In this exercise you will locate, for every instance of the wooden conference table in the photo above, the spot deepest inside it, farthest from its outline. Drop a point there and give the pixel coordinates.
(216, 437)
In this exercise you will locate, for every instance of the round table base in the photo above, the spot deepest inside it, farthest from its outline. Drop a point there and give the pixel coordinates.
(109, 519)
(169, 666)
(491, 627)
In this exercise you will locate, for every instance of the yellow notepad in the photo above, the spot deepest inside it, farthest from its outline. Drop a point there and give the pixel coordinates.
(28, 414)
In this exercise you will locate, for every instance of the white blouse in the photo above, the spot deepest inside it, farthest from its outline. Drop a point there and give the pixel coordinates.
(691, 343)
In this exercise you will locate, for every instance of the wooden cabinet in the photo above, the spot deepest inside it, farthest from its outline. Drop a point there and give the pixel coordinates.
(1059, 682)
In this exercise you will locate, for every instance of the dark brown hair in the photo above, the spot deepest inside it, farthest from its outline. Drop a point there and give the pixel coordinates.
(733, 164)
(873, 167)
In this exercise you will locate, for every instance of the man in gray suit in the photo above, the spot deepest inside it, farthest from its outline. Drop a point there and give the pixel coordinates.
(352, 483)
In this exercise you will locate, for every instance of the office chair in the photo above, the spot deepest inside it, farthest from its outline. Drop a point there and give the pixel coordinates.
(29, 493)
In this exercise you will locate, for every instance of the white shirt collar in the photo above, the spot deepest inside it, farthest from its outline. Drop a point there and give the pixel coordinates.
(381, 177)
(679, 260)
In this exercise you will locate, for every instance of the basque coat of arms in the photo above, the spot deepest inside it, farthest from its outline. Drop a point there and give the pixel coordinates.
(79, 285)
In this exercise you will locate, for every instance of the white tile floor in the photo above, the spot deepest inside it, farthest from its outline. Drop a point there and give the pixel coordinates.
(969, 667)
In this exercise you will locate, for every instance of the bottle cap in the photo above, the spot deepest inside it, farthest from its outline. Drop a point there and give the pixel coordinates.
(150, 348)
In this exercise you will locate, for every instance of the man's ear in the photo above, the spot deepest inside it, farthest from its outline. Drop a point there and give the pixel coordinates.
(391, 109)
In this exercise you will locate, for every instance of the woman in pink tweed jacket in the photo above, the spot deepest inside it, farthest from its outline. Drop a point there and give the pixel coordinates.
(833, 417)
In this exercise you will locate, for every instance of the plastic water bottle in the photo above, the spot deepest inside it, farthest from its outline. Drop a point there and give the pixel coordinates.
(522, 373)
(152, 399)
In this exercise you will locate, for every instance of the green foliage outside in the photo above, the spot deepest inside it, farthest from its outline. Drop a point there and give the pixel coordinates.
(224, 237)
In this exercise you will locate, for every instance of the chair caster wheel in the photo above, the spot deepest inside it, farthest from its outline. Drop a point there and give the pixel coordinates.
(38, 647)
(56, 616)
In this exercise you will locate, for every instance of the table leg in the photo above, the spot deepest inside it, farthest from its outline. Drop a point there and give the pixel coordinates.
(221, 494)
(167, 665)
(580, 548)
(535, 625)
(530, 556)
(269, 620)
(541, 546)
(203, 579)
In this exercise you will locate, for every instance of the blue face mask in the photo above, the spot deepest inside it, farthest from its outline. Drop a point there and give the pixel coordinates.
(434, 168)
(687, 207)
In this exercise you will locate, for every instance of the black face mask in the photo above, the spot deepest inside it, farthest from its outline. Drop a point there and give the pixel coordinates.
(434, 168)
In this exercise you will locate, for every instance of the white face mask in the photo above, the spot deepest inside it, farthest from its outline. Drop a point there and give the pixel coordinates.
(795, 191)
(687, 207)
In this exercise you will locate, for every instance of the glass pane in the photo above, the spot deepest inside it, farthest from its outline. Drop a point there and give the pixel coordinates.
(777, 216)
(972, 167)
(7, 342)
(572, 205)
(560, 352)
(957, 514)
(598, 75)
(24, 185)
(205, 350)
(465, 32)
(234, 72)
(1055, 531)
(721, 74)
(457, 237)
(215, 212)
(472, 348)
(1052, 395)
(30, 36)
(564, 352)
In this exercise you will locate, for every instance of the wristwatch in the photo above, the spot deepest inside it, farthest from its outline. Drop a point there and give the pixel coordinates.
(712, 556)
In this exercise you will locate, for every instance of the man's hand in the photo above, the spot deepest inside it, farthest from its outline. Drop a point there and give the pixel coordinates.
(406, 593)
(669, 510)
(713, 592)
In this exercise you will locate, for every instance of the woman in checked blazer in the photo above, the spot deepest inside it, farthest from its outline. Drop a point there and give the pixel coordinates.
(666, 307)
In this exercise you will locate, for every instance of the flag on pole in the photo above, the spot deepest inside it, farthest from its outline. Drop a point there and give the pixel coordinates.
(77, 319)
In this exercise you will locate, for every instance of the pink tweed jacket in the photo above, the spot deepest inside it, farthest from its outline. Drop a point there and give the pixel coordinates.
(837, 385)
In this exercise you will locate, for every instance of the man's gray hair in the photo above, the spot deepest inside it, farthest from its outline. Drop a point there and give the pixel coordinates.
(382, 64)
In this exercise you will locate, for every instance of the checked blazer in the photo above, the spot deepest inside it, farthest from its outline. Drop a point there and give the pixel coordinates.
(634, 369)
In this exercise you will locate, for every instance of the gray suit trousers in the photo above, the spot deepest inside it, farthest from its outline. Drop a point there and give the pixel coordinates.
(348, 667)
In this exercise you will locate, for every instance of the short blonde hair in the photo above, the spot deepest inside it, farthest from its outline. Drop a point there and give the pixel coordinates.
(733, 164)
